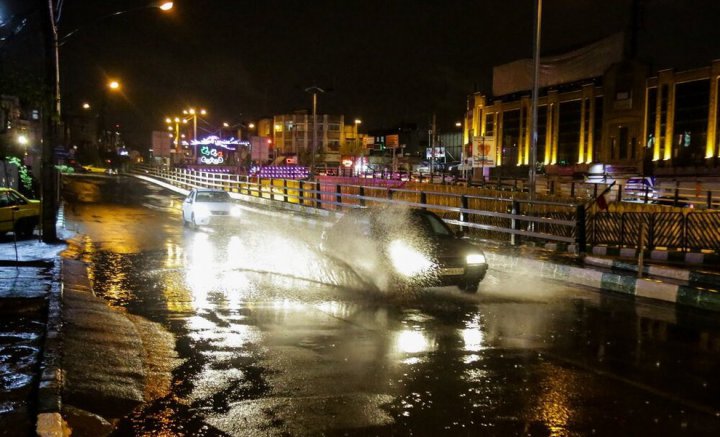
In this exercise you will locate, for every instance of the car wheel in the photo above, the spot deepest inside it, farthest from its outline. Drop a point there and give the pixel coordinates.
(470, 286)
(194, 225)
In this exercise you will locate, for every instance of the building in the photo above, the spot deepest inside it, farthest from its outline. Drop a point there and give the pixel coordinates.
(293, 135)
(20, 130)
(600, 112)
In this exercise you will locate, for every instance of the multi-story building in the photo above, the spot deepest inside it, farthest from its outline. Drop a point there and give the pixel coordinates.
(293, 134)
(20, 128)
(599, 111)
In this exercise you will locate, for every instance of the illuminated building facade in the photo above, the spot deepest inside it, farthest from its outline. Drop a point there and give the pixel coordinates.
(293, 134)
(599, 113)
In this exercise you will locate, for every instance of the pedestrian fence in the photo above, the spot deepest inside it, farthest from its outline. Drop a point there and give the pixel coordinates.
(514, 218)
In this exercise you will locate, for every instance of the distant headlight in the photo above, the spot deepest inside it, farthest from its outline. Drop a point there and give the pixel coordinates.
(201, 210)
(475, 258)
(406, 260)
(235, 211)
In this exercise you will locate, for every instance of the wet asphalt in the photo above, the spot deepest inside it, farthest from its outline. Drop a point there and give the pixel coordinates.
(253, 332)
(274, 338)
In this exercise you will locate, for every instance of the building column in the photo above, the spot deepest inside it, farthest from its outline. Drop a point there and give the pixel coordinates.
(664, 139)
(499, 133)
(587, 119)
(524, 132)
(711, 146)
(553, 124)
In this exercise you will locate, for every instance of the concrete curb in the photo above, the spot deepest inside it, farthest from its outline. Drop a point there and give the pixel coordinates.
(695, 258)
(690, 276)
(608, 281)
(49, 420)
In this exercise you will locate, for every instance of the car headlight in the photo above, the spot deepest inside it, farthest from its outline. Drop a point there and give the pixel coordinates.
(235, 211)
(406, 260)
(475, 258)
(201, 210)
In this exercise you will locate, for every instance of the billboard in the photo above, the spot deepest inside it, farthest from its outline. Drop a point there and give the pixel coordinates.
(484, 152)
(392, 141)
(439, 152)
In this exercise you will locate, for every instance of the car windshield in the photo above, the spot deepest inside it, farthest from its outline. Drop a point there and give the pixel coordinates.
(433, 225)
(212, 196)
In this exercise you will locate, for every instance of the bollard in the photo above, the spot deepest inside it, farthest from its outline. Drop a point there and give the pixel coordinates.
(515, 210)
(285, 191)
(423, 199)
(641, 250)
(338, 196)
(362, 195)
(580, 235)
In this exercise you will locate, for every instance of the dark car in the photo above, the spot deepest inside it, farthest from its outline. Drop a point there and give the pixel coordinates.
(397, 246)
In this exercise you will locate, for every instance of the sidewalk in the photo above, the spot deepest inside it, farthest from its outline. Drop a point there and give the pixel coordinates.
(30, 307)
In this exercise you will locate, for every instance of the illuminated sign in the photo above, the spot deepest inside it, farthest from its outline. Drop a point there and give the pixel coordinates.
(211, 156)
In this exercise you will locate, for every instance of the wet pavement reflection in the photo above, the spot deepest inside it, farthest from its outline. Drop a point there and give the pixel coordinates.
(276, 339)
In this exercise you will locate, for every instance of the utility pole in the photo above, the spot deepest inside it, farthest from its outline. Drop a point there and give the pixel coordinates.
(536, 78)
(432, 150)
(51, 118)
(314, 90)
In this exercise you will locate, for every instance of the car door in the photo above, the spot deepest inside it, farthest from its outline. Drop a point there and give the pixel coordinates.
(6, 213)
(187, 205)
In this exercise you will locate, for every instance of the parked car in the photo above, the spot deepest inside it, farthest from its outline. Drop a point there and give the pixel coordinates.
(681, 202)
(639, 189)
(18, 213)
(405, 246)
(209, 207)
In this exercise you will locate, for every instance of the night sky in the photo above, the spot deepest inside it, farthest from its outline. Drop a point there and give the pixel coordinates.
(384, 61)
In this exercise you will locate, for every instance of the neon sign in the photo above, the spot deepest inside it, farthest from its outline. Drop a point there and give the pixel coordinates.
(211, 156)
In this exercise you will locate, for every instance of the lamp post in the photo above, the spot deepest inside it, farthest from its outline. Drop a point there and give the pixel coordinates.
(192, 114)
(175, 121)
(103, 138)
(49, 195)
(536, 77)
(314, 90)
(357, 150)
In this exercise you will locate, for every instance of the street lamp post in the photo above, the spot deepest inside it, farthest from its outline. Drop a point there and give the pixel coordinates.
(314, 90)
(536, 77)
(192, 114)
(357, 149)
(176, 121)
(49, 194)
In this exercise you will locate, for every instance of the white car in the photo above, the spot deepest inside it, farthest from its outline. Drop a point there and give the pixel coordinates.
(209, 207)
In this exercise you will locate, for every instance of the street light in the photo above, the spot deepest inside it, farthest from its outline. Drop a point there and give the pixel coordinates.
(50, 135)
(112, 86)
(191, 114)
(314, 90)
(534, 106)
(176, 121)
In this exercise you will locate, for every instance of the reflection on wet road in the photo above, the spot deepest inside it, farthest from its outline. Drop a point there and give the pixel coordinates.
(276, 339)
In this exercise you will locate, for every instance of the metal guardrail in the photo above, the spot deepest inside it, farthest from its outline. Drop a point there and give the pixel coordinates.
(500, 219)
(673, 230)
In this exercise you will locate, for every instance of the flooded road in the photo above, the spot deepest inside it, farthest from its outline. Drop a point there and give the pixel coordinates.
(276, 339)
